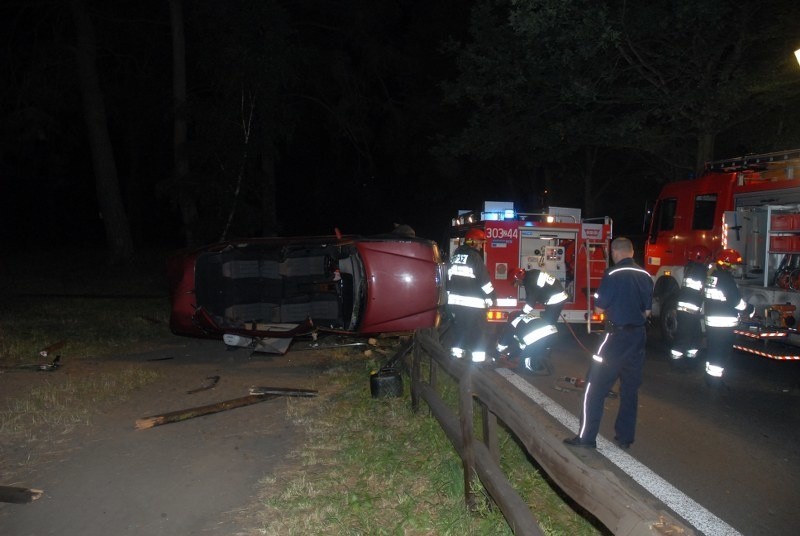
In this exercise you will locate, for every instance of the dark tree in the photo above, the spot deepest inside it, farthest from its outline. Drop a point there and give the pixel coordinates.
(118, 232)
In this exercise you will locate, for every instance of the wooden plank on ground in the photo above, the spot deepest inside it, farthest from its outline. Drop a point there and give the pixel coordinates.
(12, 494)
(191, 413)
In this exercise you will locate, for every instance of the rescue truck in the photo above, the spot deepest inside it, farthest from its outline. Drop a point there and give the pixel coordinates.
(750, 204)
(556, 240)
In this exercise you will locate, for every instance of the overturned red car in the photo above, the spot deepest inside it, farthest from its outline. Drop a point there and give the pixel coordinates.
(280, 287)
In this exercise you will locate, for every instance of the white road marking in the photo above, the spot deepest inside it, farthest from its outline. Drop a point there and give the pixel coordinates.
(683, 505)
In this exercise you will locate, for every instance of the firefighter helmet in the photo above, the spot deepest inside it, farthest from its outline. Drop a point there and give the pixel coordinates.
(518, 276)
(474, 236)
(698, 254)
(726, 257)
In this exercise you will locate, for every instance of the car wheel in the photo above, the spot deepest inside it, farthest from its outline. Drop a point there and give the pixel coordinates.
(668, 321)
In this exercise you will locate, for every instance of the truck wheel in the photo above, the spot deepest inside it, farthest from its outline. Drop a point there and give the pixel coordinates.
(668, 321)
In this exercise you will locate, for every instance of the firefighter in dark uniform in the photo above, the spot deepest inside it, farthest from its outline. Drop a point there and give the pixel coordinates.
(469, 293)
(625, 296)
(541, 287)
(721, 309)
(689, 307)
(527, 337)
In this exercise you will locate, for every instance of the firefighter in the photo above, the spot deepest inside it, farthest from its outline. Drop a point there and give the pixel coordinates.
(690, 302)
(527, 338)
(469, 294)
(541, 287)
(721, 309)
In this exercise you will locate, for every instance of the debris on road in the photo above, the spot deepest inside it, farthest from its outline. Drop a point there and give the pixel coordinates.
(190, 413)
(318, 346)
(577, 382)
(281, 391)
(210, 382)
(44, 352)
(46, 367)
(12, 494)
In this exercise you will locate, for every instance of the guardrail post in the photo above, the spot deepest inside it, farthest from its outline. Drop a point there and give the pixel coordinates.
(466, 416)
(489, 421)
(416, 358)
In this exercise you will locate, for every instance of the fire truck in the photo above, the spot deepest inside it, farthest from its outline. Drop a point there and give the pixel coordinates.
(556, 240)
(750, 204)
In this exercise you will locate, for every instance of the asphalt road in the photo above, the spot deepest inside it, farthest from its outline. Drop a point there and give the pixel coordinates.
(734, 452)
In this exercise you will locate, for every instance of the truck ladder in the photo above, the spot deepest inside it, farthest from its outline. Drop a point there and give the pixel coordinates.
(593, 282)
(755, 161)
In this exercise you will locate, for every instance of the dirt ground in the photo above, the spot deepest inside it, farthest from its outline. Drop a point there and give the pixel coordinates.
(196, 477)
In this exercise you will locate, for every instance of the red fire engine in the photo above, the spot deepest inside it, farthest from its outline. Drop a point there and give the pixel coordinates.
(557, 240)
(750, 204)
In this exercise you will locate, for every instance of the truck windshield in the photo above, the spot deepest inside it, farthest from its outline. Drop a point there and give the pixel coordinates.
(705, 205)
(664, 217)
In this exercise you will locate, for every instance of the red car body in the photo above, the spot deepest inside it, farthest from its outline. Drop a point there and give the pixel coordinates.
(279, 287)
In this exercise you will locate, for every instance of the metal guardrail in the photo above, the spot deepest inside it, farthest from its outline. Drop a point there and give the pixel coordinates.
(622, 508)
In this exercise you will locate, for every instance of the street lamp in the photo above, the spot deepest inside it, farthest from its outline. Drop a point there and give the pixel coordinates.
(797, 55)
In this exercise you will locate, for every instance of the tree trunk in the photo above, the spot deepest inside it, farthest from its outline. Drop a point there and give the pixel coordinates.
(589, 192)
(705, 151)
(118, 233)
(186, 199)
(268, 209)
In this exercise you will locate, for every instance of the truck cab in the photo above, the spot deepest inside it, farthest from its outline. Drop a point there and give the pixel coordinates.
(748, 204)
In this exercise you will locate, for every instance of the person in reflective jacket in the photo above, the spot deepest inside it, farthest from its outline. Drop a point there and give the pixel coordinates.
(689, 316)
(527, 337)
(469, 293)
(541, 287)
(721, 309)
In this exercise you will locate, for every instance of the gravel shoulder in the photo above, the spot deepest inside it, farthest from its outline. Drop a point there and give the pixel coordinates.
(196, 477)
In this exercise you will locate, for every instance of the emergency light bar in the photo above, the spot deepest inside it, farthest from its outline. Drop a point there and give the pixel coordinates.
(507, 214)
(471, 217)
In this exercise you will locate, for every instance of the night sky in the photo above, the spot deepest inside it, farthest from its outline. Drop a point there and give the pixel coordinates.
(336, 112)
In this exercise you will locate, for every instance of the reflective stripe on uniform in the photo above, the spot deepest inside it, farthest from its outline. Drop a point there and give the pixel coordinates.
(544, 279)
(715, 294)
(539, 333)
(558, 298)
(688, 307)
(694, 284)
(714, 370)
(631, 268)
(722, 321)
(460, 270)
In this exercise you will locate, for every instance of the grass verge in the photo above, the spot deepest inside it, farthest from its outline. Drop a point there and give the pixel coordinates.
(65, 404)
(78, 308)
(372, 466)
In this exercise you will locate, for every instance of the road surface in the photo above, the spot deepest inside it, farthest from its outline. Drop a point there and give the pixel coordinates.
(734, 452)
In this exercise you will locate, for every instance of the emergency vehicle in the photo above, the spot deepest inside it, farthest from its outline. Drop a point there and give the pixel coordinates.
(750, 204)
(557, 240)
